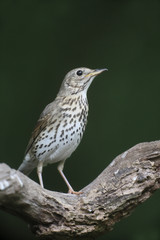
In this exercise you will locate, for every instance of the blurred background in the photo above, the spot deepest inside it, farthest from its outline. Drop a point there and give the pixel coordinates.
(40, 41)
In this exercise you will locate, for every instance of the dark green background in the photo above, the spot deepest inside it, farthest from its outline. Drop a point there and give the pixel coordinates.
(40, 41)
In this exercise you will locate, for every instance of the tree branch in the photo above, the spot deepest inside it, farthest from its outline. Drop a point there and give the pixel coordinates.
(129, 180)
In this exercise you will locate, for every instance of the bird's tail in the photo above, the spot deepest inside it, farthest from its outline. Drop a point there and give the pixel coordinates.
(27, 165)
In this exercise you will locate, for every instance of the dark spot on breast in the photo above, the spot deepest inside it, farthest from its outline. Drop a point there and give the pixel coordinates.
(66, 109)
(62, 133)
(57, 126)
(72, 133)
(41, 153)
(71, 128)
(65, 124)
(71, 102)
(71, 120)
(74, 109)
(50, 129)
(50, 143)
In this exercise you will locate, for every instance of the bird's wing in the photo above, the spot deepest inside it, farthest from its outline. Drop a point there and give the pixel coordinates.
(41, 124)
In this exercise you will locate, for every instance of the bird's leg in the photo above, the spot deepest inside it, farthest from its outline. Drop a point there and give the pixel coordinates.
(60, 169)
(39, 172)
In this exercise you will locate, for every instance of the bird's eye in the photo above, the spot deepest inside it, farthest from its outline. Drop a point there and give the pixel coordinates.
(79, 72)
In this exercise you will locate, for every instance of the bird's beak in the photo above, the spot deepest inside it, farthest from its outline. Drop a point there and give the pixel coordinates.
(96, 72)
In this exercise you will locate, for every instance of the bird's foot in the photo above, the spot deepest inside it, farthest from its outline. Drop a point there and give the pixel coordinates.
(71, 191)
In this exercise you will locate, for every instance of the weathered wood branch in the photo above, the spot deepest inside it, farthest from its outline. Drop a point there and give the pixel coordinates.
(129, 180)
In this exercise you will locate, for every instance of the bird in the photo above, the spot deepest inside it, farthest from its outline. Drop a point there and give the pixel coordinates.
(61, 125)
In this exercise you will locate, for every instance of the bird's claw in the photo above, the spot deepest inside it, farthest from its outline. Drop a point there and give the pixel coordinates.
(71, 191)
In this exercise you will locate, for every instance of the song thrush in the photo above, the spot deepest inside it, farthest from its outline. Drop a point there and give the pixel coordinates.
(61, 125)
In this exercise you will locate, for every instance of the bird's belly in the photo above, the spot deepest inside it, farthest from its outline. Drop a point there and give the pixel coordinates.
(63, 151)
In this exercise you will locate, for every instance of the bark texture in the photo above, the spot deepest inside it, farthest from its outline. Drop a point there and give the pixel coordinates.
(129, 180)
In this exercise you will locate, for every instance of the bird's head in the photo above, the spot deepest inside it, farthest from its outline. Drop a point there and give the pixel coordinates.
(79, 79)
